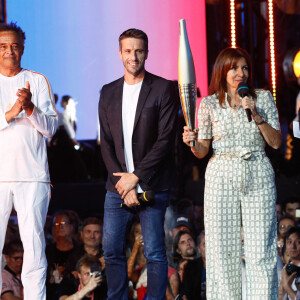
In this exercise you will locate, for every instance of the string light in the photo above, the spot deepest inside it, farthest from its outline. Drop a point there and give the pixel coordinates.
(272, 48)
(232, 24)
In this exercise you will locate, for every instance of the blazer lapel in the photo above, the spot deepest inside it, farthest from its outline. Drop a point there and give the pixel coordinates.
(145, 89)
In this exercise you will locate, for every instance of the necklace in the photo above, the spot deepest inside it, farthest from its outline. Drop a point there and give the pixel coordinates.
(233, 105)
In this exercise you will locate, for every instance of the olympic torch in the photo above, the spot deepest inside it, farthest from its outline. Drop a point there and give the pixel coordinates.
(187, 79)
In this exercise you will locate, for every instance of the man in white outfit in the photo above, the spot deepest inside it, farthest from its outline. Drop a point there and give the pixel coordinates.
(27, 115)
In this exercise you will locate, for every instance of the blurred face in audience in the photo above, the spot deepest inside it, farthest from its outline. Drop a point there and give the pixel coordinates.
(62, 227)
(293, 247)
(186, 246)
(91, 235)
(84, 275)
(291, 208)
(15, 262)
(284, 226)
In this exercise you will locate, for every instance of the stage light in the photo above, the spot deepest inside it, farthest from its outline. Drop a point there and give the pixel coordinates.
(272, 48)
(232, 22)
(291, 64)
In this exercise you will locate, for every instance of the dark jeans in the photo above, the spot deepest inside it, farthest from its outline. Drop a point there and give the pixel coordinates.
(152, 218)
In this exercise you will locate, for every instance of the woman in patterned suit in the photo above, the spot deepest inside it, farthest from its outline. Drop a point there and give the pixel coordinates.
(239, 181)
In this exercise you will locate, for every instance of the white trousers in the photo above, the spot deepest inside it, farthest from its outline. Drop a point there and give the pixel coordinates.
(31, 200)
(240, 191)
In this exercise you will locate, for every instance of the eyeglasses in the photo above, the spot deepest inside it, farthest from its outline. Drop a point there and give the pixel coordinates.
(62, 223)
(287, 227)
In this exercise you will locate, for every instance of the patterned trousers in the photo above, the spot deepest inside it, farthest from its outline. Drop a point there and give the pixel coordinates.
(239, 193)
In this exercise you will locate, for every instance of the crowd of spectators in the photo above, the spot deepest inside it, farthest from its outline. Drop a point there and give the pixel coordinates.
(76, 266)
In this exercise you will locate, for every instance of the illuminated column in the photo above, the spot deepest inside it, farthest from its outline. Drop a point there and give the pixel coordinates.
(232, 23)
(272, 48)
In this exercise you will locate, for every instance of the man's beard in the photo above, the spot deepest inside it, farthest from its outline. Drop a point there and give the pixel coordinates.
(191, 253)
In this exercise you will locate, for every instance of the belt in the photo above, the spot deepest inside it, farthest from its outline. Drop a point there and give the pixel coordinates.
(243, 154)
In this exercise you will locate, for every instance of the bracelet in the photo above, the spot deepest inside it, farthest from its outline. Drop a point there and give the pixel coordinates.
(261, 122)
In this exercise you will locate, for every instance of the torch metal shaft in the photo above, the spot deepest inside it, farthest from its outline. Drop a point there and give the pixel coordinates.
(187, 78)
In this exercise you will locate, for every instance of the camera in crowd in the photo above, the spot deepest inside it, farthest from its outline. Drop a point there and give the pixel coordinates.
(290, 269)
(95, 268)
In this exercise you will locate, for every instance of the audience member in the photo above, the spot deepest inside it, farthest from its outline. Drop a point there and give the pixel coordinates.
(175, 224)
(290, 206)
(65, 225)
(12, 288)
(184, 250)
(185, 206)
(284, 224)
(136, 264)
(194, 278)
(89, 285)
(181, 222)
(184, 246)
(287, 287)
(91, 237)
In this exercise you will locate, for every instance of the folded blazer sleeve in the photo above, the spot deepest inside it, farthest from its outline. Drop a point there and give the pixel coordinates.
(167, 122)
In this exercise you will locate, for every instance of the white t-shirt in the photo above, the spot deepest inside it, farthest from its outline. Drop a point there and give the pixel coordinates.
(23, 153)
(129, 103)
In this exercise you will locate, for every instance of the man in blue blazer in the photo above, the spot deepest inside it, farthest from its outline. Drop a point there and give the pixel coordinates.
(138, 114)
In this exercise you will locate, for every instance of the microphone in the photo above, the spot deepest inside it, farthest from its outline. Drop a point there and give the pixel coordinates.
(243, 91)
(145, 198)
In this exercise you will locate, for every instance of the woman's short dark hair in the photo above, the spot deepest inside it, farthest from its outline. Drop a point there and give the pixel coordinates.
(72, 218)
(227, 59)
(13, 247)
(134, 33)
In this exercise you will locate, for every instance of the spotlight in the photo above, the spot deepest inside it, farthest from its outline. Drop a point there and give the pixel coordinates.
(291, 64)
